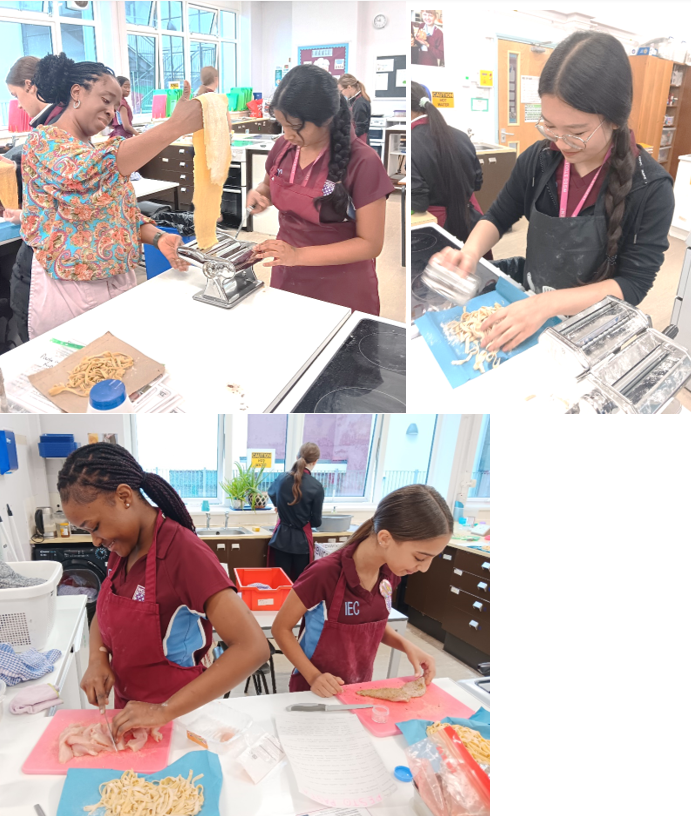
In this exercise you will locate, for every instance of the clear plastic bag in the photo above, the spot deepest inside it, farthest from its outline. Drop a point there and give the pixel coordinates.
(448, 779)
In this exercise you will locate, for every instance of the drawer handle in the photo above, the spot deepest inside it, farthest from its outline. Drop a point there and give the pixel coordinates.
(181, 150)
(482, 161)
(447, 557)
(221, 546)
(183, 189)
(485, 566)
(165, 160)
(182, 176)
(475, 625)
(492, 161)
(483, 586)
(183, 164)
(478, 605)
(234, 546)
(455, 591)
(458, 572)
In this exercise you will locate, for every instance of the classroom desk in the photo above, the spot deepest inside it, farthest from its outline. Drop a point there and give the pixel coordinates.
(146, 188)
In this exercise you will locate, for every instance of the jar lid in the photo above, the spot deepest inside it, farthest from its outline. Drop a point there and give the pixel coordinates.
(403, 773)
(107, 394)
(449, 284)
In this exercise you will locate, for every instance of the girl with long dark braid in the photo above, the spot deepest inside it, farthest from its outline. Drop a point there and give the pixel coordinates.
(164, 595)
(599, 206)
(330, 190)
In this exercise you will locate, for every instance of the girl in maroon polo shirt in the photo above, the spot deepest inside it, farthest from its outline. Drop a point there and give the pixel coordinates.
(344, 599)
(164, 595)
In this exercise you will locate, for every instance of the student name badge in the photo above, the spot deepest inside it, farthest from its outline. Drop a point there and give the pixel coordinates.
(386, 592)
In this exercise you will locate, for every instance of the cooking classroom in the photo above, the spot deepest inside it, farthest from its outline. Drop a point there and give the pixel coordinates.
(160, 647)
(551, 209)
(184, 182)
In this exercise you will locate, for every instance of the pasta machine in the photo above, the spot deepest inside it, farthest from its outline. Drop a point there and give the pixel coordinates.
(229, 271)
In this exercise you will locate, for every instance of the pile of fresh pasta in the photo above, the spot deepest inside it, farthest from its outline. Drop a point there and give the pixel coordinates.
(466, 330)
(132, 796)
(91, 370)
(477, 745)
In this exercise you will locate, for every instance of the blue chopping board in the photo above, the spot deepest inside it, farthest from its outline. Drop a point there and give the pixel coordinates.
(430, 326)
(81, 785)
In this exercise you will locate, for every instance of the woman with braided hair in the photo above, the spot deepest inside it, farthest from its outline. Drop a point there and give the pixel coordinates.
(330, 190)
(599, 206)
(164, 595)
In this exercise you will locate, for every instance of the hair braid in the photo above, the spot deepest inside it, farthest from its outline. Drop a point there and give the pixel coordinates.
(338, 163)
(57, 73)
(102, 468)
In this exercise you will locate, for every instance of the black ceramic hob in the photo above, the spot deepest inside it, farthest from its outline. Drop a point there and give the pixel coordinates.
(366, 374)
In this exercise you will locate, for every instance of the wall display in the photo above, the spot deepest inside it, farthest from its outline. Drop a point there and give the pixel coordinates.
(390, 82)
(533, 113)
(486, 79)
(479, 103)
(332, 58)
(442, 99)
(529, 94)
(427, 38)
(261, 458)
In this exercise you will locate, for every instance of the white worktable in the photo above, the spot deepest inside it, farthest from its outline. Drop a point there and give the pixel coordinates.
(146, 187)
(277, 795)
(258, 345)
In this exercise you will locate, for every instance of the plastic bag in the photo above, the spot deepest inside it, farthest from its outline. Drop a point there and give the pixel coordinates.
(182, 221)
(448, 779)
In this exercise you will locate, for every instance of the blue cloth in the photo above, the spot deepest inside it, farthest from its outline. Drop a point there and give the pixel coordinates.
(81, 785)
(430, 326)
(416, 730)
(29, 665)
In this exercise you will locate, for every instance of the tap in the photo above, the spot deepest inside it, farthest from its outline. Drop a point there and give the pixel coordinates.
(208, 520)
(225, 524)
(470, 133)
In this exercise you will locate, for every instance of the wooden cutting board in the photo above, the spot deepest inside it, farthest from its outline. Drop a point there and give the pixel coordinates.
(434, 705)
(43, 759)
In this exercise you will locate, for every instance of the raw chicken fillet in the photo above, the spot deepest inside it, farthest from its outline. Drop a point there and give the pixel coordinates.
(403, 694)
(91, 740)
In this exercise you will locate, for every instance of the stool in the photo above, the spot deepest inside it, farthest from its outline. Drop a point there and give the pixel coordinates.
(259, 677)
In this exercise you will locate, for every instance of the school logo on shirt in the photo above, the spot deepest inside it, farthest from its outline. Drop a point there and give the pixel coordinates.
(352, 607)
(139, 593)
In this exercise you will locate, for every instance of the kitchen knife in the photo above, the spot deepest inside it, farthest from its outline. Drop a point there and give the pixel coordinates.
(323, 707)
(110, 732)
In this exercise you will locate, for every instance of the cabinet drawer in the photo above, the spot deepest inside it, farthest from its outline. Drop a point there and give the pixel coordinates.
(183, 177)
(181, 152)
(460, 601)
(246, 554)
(470, 629)
(467, 582)
(218, 548)
(470, 562)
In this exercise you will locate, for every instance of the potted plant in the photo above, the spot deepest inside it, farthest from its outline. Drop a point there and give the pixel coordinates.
(251, 480)
(235, 490)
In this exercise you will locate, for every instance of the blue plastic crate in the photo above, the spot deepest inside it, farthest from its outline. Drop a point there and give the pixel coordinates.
(56, 446)
(8, 452)
(154, 260)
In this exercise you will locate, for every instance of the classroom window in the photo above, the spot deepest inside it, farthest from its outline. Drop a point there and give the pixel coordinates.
(481, 469)
(266, 432)
(228, 23)
(228, 69)
(141, 51)
(173, 59)
(184, 450)
(79, 42)
(201, 54)
(36, 8)
(202, 20)
(87, 13)
(19, 40)
(142, 14)
(408, 450)
(171, 16)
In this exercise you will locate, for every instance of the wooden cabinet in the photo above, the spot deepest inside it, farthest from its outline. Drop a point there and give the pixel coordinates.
(239, 552)
(264, 126)
(496, 169)
(426, 591)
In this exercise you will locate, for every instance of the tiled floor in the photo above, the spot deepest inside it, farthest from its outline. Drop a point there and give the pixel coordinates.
(392, 285)
(447, 666)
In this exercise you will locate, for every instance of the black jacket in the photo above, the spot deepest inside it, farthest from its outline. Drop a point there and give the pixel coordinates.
(647, 215)
(361, 111)
(290, 536)
(426, 172)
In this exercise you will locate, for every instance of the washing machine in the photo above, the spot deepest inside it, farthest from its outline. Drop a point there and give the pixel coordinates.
(84, 568)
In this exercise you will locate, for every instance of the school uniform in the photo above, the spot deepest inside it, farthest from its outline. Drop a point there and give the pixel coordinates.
(344, 623)
(292, 545)
(361, 111)
(152, 618)
(293, 192)
(433, 52)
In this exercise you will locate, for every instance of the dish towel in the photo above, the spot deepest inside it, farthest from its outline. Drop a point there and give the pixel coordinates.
(416, 730)
(35, 699)
(29, 665)
(9, 579)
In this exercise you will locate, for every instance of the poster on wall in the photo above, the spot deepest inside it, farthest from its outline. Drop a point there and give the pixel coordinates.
(529, 86)
(427, 38)
(332, 58)
(442, 99)
(533, 113)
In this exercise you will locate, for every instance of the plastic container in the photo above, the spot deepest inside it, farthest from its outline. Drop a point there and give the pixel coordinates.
(263, 600)
(324, 548)
(380, 714)
(664, 154)
(109, 397)
(453, 287)
(27, 614)
(216, 727)
(56, 446)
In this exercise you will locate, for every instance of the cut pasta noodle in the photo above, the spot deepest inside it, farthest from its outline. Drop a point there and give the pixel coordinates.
(9, 195)
(466, 331)
(109, 365)
(132, 796)
(477, 745)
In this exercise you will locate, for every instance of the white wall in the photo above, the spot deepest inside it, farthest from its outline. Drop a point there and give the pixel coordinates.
(372, 43)
(274, 42)
(26, 488)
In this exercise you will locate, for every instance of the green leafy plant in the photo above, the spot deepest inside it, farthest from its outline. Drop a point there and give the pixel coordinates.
(250, 478)
(234, 488)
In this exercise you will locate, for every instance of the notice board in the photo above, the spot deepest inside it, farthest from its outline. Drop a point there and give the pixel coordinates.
(332, 58)
(392, 87)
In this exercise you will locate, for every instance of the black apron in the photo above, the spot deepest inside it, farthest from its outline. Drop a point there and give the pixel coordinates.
(562, 253)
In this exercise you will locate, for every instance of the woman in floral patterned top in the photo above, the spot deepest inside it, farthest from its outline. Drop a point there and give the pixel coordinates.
(80, 210)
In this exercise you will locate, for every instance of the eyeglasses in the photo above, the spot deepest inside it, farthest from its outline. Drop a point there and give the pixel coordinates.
(569, 139)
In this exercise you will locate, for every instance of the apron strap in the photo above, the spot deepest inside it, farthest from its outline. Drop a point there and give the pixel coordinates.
(151, 563)
(565, 188)
(339, 595)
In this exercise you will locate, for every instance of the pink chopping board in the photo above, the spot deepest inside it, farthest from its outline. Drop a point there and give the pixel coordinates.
(43, 759)
(435, 705)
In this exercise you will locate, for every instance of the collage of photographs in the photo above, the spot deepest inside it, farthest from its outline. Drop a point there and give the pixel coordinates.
(270, 273)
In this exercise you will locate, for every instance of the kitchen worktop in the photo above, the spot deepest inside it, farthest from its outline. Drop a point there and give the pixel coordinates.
(274, 796)
(459, 545)
(483, 147)
(86, 539)
(205, 349)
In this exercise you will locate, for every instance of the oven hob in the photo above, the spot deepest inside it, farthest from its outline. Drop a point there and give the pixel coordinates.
(365, 375)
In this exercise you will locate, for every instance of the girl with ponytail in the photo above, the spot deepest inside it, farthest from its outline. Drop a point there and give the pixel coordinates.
(330, 191)
(298, 498)
(164, 595)
(599, 207)
(360, 104)
(344, 600)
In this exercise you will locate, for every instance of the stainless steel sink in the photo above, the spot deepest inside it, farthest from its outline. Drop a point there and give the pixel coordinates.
(483, 146)
(221, 531)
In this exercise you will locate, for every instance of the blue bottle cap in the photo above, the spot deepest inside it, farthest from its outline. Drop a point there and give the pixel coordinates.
(107, 394)
(403, 773)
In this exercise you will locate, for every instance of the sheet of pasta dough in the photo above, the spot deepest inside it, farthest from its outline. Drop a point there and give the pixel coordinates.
(212, 157)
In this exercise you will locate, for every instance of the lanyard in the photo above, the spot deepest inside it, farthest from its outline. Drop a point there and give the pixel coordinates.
(565, 188)
(309, 172)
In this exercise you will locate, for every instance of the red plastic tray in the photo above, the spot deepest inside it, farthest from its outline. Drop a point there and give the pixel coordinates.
(263, 600)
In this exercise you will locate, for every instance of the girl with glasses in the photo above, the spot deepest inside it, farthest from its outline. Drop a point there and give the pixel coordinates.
(599, 207)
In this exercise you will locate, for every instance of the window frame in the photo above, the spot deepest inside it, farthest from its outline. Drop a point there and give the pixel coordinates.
(469, 438)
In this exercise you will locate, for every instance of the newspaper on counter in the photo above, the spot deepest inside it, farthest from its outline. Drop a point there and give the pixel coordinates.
(333, 759)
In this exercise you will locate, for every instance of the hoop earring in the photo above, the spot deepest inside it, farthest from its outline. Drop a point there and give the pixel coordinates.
(77, 103)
